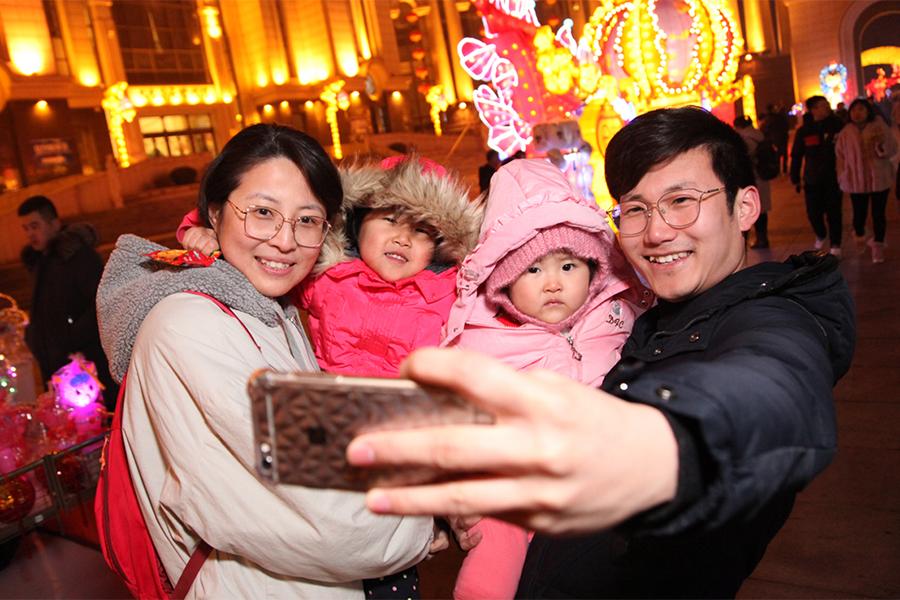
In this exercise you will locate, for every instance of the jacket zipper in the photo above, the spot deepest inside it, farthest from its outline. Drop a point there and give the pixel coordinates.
(575, 353)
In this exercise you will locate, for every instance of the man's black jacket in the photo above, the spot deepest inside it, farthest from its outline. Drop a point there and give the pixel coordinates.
(744, 373)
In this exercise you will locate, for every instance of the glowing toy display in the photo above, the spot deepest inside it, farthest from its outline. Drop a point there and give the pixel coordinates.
(77, 389)
(632, 56)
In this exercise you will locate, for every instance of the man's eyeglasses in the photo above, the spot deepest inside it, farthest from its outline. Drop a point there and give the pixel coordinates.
(264, 223)
(679, 209)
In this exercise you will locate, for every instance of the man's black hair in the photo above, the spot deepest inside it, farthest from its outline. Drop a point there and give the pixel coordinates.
(659, 136)
(813, 100)
(40, 204)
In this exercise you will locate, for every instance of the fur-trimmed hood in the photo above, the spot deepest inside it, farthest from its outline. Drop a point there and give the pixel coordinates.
(69, 240)
(422, 194)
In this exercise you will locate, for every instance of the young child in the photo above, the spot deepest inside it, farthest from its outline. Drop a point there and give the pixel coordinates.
(546, 287)
(386, 278)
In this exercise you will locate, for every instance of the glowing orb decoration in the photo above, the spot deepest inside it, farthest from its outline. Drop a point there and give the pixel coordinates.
(76, 385)
(833, 82)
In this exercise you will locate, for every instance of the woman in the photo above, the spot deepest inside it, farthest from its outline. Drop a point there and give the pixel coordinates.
(270, 196)
(864, 148)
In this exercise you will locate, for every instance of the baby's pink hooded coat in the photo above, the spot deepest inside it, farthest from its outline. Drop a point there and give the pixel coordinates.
(525, 197)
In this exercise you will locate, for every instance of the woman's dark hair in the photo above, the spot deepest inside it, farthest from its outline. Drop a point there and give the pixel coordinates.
(259, 143)
(659, 136)
(870, 110)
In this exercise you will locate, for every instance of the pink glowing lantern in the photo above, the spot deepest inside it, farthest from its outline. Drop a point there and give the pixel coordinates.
(77, 389)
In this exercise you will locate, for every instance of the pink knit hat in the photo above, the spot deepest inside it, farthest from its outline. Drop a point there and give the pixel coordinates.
(583, 244)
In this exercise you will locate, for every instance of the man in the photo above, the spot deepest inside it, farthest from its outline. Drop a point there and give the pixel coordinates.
(814, 149)
(775, 126)
(487, 170)
(66, 271)
(720, 410)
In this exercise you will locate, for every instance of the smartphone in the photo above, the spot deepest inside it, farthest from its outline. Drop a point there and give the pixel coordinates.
(304, 421)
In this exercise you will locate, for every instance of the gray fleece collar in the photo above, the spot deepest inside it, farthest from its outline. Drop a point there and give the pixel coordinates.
(132, 284)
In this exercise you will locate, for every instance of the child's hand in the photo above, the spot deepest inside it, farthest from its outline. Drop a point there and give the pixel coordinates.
(440, 542)
(200, 239)
(461, 526)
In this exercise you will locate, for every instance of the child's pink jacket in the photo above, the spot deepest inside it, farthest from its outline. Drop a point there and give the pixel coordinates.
(362, 325)
(525, 197)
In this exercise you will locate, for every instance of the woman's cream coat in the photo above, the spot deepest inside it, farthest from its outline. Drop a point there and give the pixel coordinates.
(189, 442)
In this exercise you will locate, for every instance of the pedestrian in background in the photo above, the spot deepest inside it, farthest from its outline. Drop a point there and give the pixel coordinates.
(863, 150)
(66, 270)
(813, 151)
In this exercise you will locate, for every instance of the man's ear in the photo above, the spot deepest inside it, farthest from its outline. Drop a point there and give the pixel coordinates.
(747, 207)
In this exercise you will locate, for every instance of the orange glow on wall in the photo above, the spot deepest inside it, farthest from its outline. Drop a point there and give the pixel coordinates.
(348, 62)
(26, 56)
(88, 77)
(310, 70)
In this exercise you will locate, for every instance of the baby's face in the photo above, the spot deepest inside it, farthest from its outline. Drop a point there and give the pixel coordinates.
(393, 248)
(552, 288)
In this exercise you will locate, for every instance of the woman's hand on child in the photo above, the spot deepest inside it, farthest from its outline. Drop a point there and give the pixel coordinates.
(462, 530)
(561, 457)
(201, 239)
(440, 542)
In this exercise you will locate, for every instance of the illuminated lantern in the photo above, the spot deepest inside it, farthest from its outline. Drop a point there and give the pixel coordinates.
(421, 72)
(418, 53)
(16, 499)
(412, 17)
(676, 52)
(75, 384)
(77, 389)
(415, 36)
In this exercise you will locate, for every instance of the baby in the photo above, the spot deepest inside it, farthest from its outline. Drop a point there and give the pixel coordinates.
(547, 287)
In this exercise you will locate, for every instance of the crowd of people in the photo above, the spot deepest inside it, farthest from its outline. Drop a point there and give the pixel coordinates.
(634, 409)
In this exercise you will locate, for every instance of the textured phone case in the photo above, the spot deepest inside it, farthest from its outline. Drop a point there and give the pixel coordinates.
(304, 422)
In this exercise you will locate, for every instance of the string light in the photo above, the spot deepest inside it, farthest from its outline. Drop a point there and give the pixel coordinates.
(335, 99)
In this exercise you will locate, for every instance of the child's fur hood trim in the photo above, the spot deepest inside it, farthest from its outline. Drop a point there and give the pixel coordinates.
(440, 200)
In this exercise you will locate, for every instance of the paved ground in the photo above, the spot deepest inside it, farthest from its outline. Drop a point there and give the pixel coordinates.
(843, 538)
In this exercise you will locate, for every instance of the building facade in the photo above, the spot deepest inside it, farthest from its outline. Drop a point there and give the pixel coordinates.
(84, 83)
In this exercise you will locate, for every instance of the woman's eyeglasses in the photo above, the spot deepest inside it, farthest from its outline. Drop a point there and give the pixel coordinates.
(264, 223)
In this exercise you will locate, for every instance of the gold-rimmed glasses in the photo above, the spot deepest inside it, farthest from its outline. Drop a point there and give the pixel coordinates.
(678, 208)
(263, 223)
